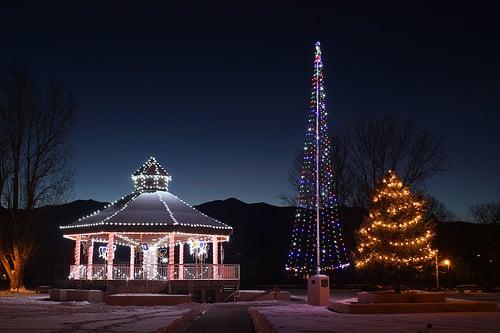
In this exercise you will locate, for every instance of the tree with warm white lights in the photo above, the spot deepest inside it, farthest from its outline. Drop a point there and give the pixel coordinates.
(394, 235)
(316, 198)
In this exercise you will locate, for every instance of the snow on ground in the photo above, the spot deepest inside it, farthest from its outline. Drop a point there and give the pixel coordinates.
(306, 318)
(35, 313)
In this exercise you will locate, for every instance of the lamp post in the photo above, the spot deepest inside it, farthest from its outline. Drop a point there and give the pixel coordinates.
(445, 262)
(436, 262)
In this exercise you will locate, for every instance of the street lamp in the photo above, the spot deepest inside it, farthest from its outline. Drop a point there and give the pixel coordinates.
(447, 263)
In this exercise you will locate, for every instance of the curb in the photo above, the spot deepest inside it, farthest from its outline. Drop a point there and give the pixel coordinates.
(180, 324)
(260, 322)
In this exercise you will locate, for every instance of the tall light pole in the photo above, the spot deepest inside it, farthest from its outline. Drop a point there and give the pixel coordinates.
(317, 244)
(318, 286)
(318, 197)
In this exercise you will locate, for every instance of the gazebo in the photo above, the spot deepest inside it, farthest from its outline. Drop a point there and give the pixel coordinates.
(149, 234)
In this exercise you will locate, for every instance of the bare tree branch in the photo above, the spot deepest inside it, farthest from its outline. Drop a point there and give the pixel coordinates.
(34, 162)
(379, 144)
(487, 213)
(370, 146)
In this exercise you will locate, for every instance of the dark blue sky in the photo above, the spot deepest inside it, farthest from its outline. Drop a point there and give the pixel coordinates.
(219, 93)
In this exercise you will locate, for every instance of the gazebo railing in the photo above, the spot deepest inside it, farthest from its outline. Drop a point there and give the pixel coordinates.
(156, 272)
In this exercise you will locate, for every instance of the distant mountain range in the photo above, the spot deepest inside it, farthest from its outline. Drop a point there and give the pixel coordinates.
(262, 234)
(259, 242)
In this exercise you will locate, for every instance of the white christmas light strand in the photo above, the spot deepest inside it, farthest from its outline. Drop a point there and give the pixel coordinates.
(223, 238)
(100, 210)
(160, 179)
(161, 240)
(147, 164)
(125, 238)
(211, 218)
(168, 209)
(104, 220)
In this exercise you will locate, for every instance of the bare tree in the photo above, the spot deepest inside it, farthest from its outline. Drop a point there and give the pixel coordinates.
(35, 132)
(437, 211)
(379, 144)
(366, 149)
(4, 165)
(290, 198)
(343, 176)
(487, 213)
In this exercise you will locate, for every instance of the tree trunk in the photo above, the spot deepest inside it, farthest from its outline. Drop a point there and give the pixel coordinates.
(397, 285)
(14, 271)
(16, 280)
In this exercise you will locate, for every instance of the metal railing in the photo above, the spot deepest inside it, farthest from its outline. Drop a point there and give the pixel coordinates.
(156, 272)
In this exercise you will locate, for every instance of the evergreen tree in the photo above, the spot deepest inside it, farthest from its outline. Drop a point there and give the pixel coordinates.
(394, 234)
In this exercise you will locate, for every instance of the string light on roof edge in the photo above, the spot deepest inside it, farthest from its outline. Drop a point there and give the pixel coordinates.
(151, 170)
(316, 200)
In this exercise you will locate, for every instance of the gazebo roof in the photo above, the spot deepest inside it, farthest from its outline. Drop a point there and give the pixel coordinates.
(148, 211)
(151, 168)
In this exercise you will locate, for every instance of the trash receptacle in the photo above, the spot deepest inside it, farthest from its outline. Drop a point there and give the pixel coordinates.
(318, 290)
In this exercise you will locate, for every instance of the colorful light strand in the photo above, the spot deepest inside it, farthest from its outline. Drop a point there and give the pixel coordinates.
(333, 253)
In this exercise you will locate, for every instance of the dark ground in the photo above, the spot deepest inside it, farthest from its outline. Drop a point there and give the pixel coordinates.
(221, 318)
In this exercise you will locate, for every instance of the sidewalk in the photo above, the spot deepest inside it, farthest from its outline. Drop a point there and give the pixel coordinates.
(306, 318)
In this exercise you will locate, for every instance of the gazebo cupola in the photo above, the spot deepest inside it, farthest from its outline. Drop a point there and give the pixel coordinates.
(151, 177)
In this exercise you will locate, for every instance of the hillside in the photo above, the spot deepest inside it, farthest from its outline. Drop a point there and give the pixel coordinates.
(262, 233)
(260, 241)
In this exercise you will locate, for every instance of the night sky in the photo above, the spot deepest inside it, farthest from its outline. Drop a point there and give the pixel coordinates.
(219, 93)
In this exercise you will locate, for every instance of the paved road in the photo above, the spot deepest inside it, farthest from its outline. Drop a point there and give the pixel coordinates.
(221, 318)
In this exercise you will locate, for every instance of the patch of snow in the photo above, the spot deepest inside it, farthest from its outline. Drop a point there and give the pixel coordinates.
(25, 299)
(35, 314)
(303, 317)
(78, 303)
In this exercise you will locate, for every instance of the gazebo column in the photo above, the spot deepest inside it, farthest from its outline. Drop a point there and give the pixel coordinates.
(77, 252)
(181, 261)
(215, 256)
(90, 260)
(132, 262)
(111, 239)
(171, 258)
(78, 248)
